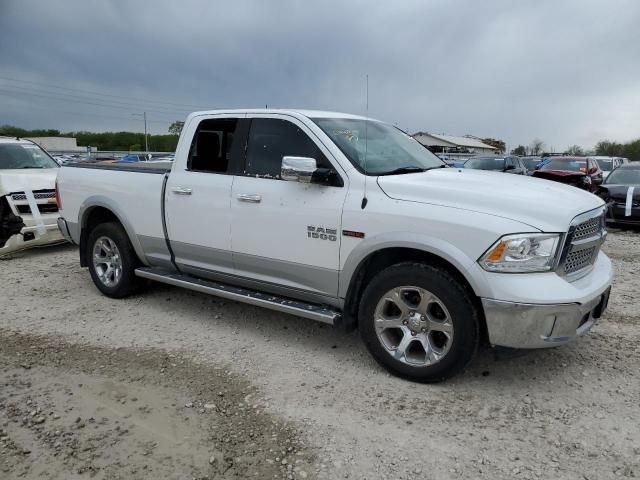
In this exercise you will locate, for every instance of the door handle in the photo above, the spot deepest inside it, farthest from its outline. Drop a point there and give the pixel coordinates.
(248, 197)
(181, 190)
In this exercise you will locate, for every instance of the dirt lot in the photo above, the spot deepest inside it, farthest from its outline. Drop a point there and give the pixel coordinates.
(176, 384)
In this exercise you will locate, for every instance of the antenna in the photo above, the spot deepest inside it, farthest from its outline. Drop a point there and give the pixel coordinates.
(366, 140)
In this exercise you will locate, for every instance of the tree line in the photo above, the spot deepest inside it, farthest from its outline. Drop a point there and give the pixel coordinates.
(120, 141)
(630, 150)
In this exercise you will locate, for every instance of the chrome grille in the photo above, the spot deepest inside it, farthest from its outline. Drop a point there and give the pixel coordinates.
(580, 259)
(38, 195)
(585, 237)
(587, 229)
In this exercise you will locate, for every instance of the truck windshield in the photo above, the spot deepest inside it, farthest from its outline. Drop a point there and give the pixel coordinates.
(14, 156)
(387, 149)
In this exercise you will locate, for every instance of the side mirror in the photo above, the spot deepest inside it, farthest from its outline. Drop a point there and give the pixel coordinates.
(298, 169)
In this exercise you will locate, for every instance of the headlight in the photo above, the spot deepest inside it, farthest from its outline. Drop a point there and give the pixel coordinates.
(532, 252)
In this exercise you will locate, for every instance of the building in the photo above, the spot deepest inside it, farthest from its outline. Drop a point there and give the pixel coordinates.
(59, 144)
(438, 143)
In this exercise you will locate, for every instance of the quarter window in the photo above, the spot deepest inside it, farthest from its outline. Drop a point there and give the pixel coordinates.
(271, 139)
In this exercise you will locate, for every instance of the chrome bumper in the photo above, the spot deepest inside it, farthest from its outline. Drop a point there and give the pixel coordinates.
(521, 325)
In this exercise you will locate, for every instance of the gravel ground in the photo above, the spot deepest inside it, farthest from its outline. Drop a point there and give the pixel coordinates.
(570, 412)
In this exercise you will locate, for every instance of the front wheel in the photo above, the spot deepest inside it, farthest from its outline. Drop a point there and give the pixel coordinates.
(112, 260)
(419, 322)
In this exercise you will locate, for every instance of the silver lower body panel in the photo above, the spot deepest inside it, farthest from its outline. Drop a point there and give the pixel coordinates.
(520, 325)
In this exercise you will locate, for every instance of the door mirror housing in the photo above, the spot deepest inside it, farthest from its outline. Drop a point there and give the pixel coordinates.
(298, 169)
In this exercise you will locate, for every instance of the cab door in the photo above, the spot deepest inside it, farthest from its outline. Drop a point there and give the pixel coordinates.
(286, 234)
(197, 199)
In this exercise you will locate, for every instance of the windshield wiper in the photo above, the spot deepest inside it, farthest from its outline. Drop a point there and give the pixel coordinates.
(402, 170)
(32, 167)
(439, 166)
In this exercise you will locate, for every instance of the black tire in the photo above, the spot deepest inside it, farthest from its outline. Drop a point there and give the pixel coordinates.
(462, 314)
(127, 283)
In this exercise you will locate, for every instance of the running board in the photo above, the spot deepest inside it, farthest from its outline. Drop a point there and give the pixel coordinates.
(274, 302)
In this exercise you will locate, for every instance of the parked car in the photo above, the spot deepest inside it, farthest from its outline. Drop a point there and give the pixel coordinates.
(608, 164)
(459, 163)
(621, 192)
(28, 208)
(133, 157)
(499, 164)
(581, 172)
(531, 163)
(348, 221)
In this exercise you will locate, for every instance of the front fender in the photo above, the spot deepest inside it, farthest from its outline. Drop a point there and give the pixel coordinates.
(435, 246)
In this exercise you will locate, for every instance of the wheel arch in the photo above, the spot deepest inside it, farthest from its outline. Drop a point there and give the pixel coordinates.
(360, 269)
(102, 210)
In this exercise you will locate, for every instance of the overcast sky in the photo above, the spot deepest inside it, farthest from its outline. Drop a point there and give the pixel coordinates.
(567, 72)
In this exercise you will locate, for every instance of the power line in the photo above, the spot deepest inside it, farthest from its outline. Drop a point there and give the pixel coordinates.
(101, 94)
(118, 117)
(52, 97)
(118, 103)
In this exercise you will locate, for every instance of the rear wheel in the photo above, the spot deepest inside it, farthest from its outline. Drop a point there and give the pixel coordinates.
(112, 260)
(419, 322)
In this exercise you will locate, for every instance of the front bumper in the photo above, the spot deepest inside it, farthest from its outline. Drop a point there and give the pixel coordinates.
(17, 242)
(616, 213)
(522, 325)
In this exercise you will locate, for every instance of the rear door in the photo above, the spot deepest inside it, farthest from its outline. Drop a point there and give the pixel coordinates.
(197, 199)
(286, 234)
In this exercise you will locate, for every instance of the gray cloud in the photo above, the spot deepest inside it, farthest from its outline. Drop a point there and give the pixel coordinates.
(564, 71)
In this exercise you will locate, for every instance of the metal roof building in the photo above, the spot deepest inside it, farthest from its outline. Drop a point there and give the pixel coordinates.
(450, 143)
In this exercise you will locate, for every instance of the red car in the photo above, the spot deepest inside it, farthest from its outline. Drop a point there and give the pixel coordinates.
(581, 172)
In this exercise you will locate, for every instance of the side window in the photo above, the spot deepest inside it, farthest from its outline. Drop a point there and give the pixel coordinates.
(211, 145)
(271, 139)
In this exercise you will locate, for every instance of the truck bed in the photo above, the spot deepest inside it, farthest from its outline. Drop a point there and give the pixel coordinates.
(130, 191)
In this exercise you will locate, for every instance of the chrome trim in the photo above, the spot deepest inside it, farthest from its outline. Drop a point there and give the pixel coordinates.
(249, 197)
(181, 190)
(570, 246)
(298, 169)
(521, 325)
(319, 313)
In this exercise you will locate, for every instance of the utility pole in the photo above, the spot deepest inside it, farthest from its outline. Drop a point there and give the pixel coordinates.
(146, 139)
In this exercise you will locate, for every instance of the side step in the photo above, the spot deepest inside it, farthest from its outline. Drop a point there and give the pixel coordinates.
(320, 313)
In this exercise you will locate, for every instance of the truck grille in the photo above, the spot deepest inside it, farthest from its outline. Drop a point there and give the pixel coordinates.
(37, 194)
(43, 207)
(583, 244)
(576, 261)
(587, 229)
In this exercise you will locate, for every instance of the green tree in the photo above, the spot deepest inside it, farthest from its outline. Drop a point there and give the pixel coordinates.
(609, 149)
(499, 144)
(519, 150)
(176, 128)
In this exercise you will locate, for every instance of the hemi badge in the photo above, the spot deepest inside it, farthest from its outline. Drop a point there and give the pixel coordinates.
(351, 233)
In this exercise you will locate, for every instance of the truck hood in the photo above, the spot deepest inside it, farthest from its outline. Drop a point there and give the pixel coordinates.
(541, 204)
(32, 178)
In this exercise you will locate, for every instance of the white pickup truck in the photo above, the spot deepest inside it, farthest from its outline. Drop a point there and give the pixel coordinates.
(348, 221)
